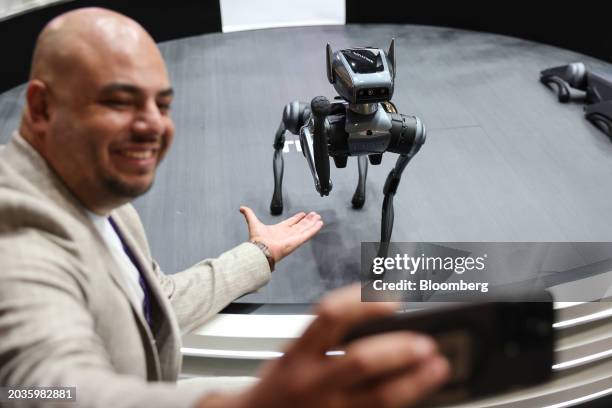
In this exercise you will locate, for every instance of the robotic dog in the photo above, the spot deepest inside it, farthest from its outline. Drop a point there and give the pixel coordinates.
(360, 122)
(596, 87)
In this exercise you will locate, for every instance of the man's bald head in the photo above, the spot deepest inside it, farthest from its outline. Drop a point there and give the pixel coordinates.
(97, 106)
(86, 35)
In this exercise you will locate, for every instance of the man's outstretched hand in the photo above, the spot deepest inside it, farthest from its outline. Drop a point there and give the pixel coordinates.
(284, 237)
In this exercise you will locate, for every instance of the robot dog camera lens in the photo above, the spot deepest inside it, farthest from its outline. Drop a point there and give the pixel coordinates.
(370, 92)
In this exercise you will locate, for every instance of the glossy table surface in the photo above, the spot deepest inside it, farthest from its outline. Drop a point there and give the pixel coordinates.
(503, 161)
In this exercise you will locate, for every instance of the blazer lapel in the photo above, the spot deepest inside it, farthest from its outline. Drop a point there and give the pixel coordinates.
(114, 269)
(164, 327)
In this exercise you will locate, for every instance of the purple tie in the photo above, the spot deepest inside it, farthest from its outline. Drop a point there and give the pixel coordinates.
(146, 304)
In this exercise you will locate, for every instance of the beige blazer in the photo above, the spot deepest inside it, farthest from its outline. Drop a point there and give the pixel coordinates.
(65, 315)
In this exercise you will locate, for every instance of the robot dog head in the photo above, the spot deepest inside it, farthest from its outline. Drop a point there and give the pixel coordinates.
(362, 75)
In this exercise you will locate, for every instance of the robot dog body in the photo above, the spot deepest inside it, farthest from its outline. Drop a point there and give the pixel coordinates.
(360, 122)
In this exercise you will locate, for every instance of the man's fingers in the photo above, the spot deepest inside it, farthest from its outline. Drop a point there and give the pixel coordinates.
(406, 388)
(297, 238)
(312, 230)
(302, 232)
(307, 222)
(294, 220)
(305, 226)
(309, 232)
(312, 215)
(372, 357)
(336, 313)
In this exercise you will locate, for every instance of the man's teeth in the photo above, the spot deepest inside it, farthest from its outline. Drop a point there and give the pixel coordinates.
(140, 154)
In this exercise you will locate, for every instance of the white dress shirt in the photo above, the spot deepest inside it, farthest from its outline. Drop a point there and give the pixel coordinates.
(128, 269)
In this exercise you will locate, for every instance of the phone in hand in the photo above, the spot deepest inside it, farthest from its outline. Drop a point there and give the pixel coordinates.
(491, 347)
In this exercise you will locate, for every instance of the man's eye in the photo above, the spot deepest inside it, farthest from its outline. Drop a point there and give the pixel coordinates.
(117, 102)
(163, 107)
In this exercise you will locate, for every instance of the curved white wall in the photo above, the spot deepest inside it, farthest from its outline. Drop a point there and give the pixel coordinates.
(238, 15)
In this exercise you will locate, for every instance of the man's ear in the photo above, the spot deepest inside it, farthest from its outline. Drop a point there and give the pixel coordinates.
(37, 98)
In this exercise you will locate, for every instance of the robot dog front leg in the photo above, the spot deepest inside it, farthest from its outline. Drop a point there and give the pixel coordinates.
(391, 185)
(389, 190)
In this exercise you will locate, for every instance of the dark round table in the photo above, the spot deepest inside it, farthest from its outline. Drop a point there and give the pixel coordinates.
(503, 161)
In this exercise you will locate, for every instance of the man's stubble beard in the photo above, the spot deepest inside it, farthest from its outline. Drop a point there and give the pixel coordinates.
(121, 189)
(118, 188)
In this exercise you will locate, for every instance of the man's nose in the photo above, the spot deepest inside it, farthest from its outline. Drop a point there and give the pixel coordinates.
(149, 120)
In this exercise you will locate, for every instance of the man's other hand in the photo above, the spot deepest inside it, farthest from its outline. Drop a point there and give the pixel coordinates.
(396, 369)
(284, 237)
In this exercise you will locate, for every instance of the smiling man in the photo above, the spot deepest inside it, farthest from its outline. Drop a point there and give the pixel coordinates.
(105, 94)
(83, 303)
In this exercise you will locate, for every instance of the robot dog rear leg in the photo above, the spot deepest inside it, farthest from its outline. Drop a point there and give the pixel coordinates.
(295, 115)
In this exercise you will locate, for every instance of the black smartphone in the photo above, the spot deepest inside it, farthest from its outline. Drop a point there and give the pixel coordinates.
(491, 347)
